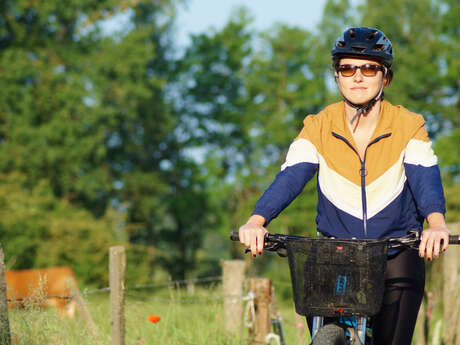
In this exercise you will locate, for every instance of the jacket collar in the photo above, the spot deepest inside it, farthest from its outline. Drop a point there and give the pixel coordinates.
(340, 127)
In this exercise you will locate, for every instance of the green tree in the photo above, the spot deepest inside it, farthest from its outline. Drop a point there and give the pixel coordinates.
(449, 67)
(414, 29)
(285, 83)
(211, 109)
(243, 107)
(40, 230)
(448, 146)
(448, 151)
(86, 113)
(49, 137)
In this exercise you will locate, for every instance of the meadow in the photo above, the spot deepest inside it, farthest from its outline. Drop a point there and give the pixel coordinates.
(185, 319)
(187, 316)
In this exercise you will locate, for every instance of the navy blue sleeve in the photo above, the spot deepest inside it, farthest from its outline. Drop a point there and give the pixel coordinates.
(426, 186)
(284, 189)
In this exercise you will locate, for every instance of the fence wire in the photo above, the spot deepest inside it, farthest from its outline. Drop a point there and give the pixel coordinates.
(172, 283)
(185, 300)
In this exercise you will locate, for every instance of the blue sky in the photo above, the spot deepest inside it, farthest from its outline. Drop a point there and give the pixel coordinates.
(197, 16)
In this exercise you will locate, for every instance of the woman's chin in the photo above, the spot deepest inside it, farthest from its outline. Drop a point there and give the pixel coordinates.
(359, 100)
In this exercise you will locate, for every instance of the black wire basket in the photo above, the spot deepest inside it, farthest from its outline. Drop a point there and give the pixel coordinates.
(332, 277)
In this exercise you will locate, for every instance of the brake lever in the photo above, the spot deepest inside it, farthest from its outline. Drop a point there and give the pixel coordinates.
(273, 247)
(270, 247)
(410, 241)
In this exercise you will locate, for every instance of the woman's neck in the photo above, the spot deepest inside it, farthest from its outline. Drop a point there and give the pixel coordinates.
(366, 121)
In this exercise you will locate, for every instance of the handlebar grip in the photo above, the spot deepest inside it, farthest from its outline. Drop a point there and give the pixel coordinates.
(234, 236)
(454, 239)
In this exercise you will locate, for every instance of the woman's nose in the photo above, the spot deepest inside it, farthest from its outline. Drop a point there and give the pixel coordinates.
(358, 76)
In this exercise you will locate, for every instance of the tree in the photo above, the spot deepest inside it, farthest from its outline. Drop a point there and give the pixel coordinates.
(449, 66)
(284, 85)
(414, 29)
(242, 107)
(448, 151)
(211, 109)
(40, 230)
(84, 112)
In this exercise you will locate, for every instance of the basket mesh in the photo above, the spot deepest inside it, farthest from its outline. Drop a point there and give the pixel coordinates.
(332, 277)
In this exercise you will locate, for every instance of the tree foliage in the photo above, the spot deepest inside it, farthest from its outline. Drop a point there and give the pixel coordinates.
(40, 230)
(86, 112)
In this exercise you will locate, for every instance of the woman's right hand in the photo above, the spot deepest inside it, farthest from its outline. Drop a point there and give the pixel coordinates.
(252, 234)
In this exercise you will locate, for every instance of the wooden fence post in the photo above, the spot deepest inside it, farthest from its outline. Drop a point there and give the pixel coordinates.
(261, 288)
(451, 291)
(117, 269)
(5, 336)
(232, 282)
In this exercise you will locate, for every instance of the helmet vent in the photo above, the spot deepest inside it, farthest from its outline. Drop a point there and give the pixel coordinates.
(372, 35)
(358, 49)
(379, 47)
(341, 44)
(352, 33)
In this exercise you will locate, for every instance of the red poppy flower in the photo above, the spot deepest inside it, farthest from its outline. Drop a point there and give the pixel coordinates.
(154, 318)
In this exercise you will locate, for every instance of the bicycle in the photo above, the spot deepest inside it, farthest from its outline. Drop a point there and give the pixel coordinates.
(338, 278)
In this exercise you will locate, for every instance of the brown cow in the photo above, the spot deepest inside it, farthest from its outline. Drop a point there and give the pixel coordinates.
(47, 287)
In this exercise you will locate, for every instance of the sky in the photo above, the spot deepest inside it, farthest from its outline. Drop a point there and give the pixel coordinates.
(197, 16)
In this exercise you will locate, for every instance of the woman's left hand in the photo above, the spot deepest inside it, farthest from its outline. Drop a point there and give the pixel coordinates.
(431, 241)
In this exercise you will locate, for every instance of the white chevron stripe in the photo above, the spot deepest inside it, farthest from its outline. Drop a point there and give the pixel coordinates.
(300, 151)
(419, 152)
(341, 192)
(386, 188)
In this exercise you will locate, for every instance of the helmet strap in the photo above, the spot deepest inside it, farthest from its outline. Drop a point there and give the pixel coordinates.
(363, 109)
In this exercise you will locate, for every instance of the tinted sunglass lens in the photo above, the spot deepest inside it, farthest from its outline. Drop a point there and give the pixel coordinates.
(369, 70)
(347, 70)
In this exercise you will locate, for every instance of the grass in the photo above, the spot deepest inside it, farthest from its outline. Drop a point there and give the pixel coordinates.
(196, 319)
(185, 320)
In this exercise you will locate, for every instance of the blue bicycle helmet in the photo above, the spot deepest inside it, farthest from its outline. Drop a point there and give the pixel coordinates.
(364, 42)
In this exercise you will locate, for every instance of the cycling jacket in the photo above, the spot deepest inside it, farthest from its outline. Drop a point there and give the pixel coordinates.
(393, 189)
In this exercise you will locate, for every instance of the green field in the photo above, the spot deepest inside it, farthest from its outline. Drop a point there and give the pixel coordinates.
(185, 320)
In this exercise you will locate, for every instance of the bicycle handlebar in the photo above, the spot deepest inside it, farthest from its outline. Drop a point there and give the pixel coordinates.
(234, 236)
(275, 242)
(454, 239)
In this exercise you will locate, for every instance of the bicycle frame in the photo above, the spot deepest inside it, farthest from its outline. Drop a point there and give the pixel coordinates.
(361, 326)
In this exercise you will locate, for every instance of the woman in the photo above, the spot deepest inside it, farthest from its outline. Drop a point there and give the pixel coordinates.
(377, 177)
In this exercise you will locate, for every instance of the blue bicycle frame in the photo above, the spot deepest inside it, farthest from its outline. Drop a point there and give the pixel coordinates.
(359, 323)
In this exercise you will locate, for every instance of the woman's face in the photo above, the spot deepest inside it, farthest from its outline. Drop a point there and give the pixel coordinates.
(358, 88)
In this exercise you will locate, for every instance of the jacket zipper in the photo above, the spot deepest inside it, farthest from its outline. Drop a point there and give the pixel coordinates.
(362, 173)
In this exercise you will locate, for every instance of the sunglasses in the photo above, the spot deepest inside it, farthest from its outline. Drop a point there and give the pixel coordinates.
(367, 70)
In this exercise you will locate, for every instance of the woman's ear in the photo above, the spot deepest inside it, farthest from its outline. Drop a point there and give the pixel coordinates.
(336, 76)
(385, 81)
(386, 77)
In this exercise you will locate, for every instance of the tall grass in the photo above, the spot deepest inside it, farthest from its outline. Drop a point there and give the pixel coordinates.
(186, 319)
